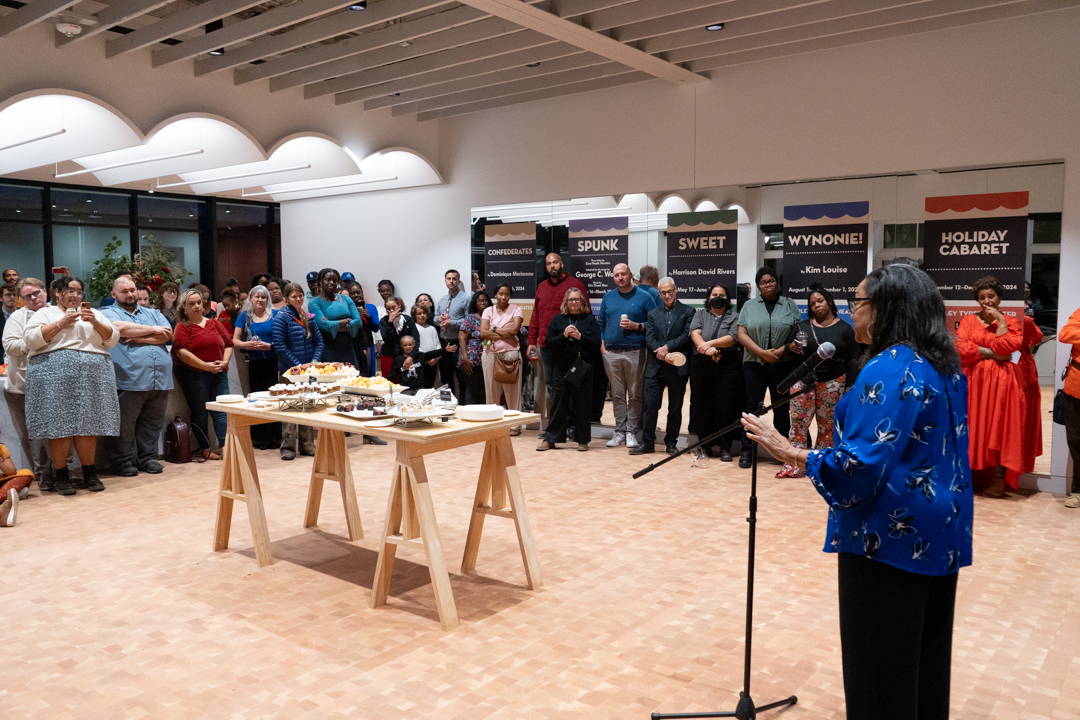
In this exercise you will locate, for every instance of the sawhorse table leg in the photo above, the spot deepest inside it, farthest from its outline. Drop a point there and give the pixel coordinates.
(332, 463)
(240, 481)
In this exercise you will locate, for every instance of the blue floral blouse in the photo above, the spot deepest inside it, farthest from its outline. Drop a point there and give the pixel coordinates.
(898, 481)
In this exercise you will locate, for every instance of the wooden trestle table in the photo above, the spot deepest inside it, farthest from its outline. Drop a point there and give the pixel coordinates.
(410, 514)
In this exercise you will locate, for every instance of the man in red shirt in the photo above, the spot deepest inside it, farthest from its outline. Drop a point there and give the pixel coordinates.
(549, 297)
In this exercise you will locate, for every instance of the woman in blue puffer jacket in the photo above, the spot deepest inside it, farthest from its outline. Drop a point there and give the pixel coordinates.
(296, 343)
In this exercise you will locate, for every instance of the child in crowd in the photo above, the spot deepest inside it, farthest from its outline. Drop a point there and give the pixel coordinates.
(14, 486)
(407, 368)
(430, 348)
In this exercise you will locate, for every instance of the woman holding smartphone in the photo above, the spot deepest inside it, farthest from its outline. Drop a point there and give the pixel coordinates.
(69, 367)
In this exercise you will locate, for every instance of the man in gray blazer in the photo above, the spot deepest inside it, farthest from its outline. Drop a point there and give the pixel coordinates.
(667, 332)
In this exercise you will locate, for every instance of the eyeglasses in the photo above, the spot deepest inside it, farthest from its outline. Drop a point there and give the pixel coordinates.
(31, 296)
(856, 303)
(767, 283)
(71, 291)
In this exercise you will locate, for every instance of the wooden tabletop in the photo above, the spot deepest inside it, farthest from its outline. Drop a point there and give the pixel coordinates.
(417, 433)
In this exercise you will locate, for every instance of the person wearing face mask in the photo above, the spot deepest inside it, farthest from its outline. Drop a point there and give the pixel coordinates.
(363, 345)
(716, 382)
(986, 341)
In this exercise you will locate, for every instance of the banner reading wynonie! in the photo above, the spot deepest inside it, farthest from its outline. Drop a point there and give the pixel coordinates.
(827, 244)
(971, 236)
(510, 257)
(701, 251)
(597, 245)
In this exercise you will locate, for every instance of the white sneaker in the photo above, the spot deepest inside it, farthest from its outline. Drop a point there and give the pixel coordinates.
(631, 440)
(616, 440)
(9, 509)
(1073, 501)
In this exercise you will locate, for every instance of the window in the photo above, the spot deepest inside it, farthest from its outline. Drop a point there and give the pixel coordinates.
(20, 202)
(772, 237)
(175, 214)
(78, 247)
(904, 236)
(22, 246)
(1045, 274)
(1046, 228)
(91, 208)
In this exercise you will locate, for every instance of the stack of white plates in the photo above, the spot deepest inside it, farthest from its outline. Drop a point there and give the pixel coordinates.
(480, 413)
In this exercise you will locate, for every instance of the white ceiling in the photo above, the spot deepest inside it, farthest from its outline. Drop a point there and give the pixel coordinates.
(439, 58)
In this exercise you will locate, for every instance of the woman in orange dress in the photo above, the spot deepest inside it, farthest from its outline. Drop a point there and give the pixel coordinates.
(1029, 381)
(996, 404)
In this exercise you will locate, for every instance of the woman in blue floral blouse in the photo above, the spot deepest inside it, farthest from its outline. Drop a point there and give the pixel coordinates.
(898, 485)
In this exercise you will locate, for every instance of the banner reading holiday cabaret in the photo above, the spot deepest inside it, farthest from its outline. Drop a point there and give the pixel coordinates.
(971, 236)
(510, 257)
(827, 244)
(597, 245)
(701, 251)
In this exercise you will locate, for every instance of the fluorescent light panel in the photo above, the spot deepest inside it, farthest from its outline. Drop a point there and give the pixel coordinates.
(235, 177)
(320, 187)
(129, 163)
(46, 136)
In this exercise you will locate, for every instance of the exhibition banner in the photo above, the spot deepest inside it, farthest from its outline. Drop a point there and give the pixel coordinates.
(827, 244)
(702, 251)
(968, 237)
(597, 245)
(510, 257)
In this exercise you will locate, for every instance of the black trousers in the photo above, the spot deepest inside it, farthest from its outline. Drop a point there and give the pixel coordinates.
(567, 400)
(1072, 436)
(599, 387)
(759, 377)
(261, 375)
(667, 376)
(717, 396)
(449, 371)
(473, 386)
(896, 637)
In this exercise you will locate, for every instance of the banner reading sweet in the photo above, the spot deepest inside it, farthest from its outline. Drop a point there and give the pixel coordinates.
(827, 244)
(597, 245)
(510, 257)
(702, 251)
(971, 236)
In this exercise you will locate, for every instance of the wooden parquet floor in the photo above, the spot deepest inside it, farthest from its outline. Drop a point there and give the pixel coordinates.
(116, 607)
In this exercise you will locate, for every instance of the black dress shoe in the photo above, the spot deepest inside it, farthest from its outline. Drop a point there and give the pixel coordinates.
(725, 456)
(126, 471)
(671, 449)
(745, 460)
(372, 440)
(642, 449)
(153, 467)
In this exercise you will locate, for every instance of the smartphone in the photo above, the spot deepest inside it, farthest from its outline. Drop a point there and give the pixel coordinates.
(86, 306)
(61, 270)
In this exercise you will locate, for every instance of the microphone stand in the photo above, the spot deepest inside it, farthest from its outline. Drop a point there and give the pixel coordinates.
(745, 710)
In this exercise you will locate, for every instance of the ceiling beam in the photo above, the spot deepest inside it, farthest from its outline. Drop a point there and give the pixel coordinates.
(999, 12)
(835, 26)
(581, 87)
(176, 24)
(520, 72)
(480, 67)
(112, 15)
(436, 42)
(644, 11)
(267, 22)
(560, 29)
(521, 40)
(569, 77)
(573, 8)
(679, 35)
(32, 13)
(314, 32)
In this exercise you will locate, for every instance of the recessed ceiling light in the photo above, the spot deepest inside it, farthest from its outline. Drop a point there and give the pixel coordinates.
(394, 95)
(536, 64)
(404, 43)
(715, 27)
(218, 52)
(362, 5)
(89, 200)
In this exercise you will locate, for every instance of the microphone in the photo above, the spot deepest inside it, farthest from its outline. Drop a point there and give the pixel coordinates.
(824, 352)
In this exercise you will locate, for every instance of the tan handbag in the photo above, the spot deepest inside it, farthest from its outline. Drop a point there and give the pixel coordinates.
(507, 371)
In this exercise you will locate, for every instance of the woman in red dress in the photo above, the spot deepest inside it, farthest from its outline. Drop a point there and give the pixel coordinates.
(1029, 381)
(996, 404)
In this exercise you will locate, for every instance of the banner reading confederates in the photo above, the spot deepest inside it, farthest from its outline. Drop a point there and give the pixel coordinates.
(972, 236)
(597, 245)
(702, 251)
(827, 244)
(510, 257)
